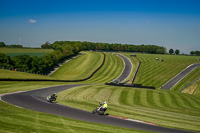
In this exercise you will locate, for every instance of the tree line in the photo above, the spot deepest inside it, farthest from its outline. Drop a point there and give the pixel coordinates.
(95, 46)
(2, 44)
(197, 53)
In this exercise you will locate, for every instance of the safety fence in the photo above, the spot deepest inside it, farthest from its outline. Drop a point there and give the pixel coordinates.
(130, 85)
(136, 72)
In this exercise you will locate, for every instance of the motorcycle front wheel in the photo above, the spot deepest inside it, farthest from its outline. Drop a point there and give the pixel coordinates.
(94, 111)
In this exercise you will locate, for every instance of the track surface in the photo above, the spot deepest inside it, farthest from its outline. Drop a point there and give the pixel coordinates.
(179, 76)
(127, 69)
(36, 100)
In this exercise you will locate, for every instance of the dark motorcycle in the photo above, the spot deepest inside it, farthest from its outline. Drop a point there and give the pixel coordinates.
(51, 99)
(99, 110)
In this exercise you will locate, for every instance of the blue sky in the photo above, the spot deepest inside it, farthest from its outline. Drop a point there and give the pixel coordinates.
(169, 23)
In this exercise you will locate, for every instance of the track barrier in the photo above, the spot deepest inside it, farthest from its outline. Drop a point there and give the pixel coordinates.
(130, 85)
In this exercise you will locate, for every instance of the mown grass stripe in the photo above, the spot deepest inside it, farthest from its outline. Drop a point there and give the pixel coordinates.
(150, 98)
(177, 101)
(123, 97)
(136, 98)
(143, 98)
(115, 96)
(187, 102)
(130, 97)
(194, 101)
(163, 100)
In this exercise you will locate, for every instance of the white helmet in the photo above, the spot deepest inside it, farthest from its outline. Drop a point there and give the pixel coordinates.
(105, 102)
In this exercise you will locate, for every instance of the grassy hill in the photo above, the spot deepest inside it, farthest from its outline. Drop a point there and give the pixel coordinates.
(83, 66)
(165, 108)
(155, 73)
(79, 68)
(28, 51)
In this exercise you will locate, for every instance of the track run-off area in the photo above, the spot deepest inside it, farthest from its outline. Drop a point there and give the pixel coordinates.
(36, 100)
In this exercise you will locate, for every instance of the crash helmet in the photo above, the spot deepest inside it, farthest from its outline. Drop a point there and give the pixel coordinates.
(105, 102)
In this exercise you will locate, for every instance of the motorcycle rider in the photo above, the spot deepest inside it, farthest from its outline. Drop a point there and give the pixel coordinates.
(104, 105)
(53, 96)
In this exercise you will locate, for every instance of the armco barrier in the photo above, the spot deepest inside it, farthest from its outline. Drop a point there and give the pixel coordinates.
(130, 85)
(136, 72)
(9, 79)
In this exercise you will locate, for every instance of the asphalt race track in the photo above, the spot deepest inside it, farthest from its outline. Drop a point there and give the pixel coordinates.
(179, 76)
(127, 69)
(36, 100)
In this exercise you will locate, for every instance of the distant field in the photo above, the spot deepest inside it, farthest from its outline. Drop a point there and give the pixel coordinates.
(27, 51)
(5, 74)
(155, 73)
(164, 108)
(30, 54)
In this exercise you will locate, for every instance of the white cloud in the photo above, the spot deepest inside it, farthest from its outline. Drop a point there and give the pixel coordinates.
(32, 21)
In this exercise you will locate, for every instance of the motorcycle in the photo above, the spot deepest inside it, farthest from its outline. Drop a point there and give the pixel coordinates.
(99, 110)
(51, 99)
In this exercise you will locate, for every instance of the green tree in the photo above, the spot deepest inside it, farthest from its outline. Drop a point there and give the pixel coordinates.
(177, 52)
(192, 53)
(5, 61)
(22, 62)
(197, 53)
(171, 51)
(160, 51)
(2, 44)
(67, 50)
(46, 45)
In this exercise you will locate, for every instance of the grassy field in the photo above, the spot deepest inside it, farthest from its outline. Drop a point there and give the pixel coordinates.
(79, 68)
(164, 108)
(25, 51)
(155, 73)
